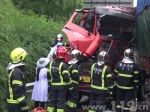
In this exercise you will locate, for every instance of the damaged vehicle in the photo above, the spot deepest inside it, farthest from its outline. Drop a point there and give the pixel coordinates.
(91, 30)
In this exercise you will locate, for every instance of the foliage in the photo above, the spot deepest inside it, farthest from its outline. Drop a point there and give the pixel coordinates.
(56, 9)
(21, 28)
(32, 28)
(30, 102)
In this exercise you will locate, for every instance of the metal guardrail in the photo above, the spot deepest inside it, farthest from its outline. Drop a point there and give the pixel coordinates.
(29, 87)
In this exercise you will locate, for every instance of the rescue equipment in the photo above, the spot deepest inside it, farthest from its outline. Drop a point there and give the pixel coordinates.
(39, 109)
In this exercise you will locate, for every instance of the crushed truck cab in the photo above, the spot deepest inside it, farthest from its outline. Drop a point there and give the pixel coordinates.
(92, 30)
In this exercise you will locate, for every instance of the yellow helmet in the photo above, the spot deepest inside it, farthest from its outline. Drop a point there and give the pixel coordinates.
(18, 55)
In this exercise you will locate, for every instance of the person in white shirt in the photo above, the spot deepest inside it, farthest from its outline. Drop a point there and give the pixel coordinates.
(40, 90)
(53, 50)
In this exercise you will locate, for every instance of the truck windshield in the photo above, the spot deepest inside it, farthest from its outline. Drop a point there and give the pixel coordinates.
(77, 18)
(80, 19)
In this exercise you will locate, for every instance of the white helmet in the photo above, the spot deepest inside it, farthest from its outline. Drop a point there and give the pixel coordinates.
(74, 54)
(128, 53)
(103, 56)
(59, 37)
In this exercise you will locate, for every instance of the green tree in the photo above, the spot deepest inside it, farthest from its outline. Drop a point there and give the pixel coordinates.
(19, 28)
(56, 9)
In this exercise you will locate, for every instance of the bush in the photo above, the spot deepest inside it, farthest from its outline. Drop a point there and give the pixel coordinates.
(26, 30)
(56, 9)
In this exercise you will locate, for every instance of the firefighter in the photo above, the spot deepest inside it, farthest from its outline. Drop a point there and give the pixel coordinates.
(59, 38)
(101, 82)
(60, 81)
(16, 86)
(128, 78)
(75, 79)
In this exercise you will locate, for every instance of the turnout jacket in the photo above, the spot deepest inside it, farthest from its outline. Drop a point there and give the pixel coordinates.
(16, 88)
(59, 74)
(74, 74)
(128, 75)
(101, 79)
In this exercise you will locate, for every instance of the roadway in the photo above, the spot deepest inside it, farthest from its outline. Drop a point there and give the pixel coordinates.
(143, 106)
(85, 101)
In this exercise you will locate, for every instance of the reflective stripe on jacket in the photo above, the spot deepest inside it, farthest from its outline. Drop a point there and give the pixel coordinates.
(101, 78)
(16, 87)
(74, 73)
(128, 75)
(59, 73)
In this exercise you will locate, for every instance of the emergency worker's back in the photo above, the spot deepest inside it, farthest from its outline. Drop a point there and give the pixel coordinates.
(98, 78)
(126, 74)
(59, 74)
(14, 91)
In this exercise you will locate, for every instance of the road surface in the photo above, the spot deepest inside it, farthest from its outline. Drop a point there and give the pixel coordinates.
(85, 101)
(143, 107)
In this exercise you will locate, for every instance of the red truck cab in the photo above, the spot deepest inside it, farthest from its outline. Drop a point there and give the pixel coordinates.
(99, 28)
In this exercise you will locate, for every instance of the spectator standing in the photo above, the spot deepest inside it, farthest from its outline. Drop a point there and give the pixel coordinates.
(40, 90)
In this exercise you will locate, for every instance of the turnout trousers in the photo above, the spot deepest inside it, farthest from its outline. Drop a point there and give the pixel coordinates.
(97, 102)
(73, 98)
(123, 100)
(57, 99)
(16, 109)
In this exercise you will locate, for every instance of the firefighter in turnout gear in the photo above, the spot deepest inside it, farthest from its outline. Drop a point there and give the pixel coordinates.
(101, 82)
(128, 78)
(60, 81)
(59, 38)
(16, 86)
(75, 79)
